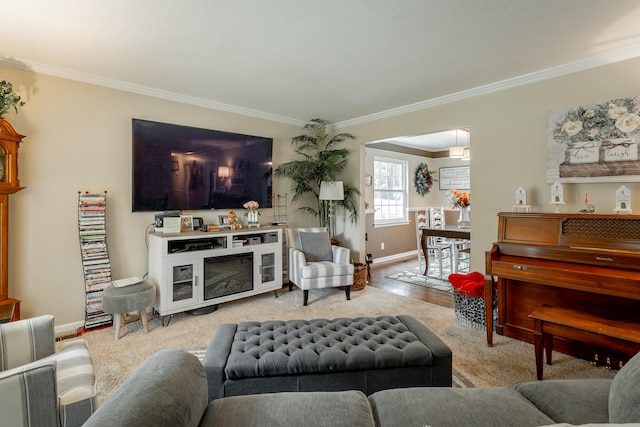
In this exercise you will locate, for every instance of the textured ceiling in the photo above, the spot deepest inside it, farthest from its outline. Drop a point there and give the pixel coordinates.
(293, 60)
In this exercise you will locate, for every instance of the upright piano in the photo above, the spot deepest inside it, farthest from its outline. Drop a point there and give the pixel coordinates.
(586, 262)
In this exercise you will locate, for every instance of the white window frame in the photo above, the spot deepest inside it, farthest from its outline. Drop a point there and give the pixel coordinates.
(384, 215)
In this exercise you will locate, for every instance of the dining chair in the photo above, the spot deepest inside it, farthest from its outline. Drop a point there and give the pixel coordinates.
(440, 249)
(462, 256)
(422, 220)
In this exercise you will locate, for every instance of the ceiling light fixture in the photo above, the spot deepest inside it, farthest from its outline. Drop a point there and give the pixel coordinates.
(466, 153)
(457, 151)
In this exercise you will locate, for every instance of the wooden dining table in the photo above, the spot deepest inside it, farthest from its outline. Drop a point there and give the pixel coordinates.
(449, 232)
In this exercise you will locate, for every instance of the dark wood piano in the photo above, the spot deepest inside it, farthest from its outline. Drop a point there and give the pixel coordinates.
(585, 262)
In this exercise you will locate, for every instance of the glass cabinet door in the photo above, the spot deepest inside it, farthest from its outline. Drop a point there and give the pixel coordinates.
(268, 267)
(183, 282)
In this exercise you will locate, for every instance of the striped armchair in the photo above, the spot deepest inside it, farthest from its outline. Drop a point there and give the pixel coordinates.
(314, 263)
(51, 387)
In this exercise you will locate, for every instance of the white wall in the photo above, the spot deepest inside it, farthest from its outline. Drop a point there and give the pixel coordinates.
(508, 143)
(79, 138)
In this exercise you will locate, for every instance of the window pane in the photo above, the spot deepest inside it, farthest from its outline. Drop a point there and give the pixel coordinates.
(389, 190)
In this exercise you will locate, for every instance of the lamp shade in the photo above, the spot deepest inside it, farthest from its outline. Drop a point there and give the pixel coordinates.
(456, 152)
(223, 172)
(331, 190)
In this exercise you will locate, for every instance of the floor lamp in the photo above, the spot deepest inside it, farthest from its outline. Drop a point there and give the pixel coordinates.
(331, 190)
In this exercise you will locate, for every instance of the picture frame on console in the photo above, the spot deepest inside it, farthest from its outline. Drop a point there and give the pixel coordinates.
(186, 223)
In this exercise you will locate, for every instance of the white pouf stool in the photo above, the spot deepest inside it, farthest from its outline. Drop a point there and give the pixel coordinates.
(126, 299)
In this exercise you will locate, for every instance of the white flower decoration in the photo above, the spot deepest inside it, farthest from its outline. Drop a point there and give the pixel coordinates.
(617, 111)
(593, 133)
(628, 122)
(589, 113)
(572, 127)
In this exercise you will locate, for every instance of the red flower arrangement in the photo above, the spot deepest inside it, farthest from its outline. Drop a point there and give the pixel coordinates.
(460, 199)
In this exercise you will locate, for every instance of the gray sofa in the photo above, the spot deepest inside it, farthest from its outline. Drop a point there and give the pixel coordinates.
(170, 389)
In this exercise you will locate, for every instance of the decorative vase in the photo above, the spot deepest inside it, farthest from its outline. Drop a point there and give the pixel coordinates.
(252, 218)
(464, 220)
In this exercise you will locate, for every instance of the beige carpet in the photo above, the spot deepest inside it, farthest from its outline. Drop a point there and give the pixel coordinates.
(507, 363)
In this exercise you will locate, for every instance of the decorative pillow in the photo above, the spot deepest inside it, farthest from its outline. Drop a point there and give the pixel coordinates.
(624, 397)
(316, 246)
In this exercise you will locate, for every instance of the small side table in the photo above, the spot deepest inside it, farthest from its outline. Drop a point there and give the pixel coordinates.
(123, 300)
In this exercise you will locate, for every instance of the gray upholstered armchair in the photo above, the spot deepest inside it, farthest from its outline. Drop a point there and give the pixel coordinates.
(39, 385)
(314, 263)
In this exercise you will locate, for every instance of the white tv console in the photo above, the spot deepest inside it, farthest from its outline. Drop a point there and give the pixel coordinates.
(195, 269)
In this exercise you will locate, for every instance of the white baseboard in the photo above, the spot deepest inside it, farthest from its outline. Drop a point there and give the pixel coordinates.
(73, 327)
(396, 257)
(68, 327)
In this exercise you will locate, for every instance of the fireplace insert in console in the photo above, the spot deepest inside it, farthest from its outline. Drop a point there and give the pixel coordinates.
(228, 275)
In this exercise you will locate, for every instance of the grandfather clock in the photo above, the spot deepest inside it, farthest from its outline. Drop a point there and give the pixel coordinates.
(9, 184)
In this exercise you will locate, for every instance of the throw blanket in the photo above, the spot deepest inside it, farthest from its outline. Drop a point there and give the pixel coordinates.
(469, 285)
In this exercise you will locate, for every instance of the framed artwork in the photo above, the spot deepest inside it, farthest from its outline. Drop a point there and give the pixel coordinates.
(186, 223)
(223, 219)
(595, 142)
(368, 180)
(171, 224)
(458, 177)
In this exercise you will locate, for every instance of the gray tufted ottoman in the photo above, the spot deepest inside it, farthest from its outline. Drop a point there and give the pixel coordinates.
(366, 353)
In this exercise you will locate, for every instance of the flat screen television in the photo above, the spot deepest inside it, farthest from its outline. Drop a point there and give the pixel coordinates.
(186, 168)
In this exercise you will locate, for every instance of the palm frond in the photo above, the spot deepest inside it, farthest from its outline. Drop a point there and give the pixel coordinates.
(350, 202)
(339, 139)
(321, 161)
(308, 210)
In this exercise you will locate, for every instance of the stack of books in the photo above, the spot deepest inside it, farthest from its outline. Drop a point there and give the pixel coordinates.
(95, 256)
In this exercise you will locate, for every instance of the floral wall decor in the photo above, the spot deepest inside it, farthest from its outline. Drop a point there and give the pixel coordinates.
(423, 181)
(594, 143)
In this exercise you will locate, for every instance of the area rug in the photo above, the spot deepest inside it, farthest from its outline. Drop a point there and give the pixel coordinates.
(414, 277)
(507, 363)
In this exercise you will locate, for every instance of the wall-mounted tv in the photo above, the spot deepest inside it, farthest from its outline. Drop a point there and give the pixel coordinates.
(186, 168)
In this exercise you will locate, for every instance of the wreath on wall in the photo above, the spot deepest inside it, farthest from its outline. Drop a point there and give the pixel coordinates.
(423, 180)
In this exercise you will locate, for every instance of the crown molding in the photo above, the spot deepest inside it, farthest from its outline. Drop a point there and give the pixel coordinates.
(611, 57)
(396, 148)
(144, 90)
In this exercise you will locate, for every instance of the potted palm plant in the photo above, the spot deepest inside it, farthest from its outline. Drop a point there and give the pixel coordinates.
(322, 160)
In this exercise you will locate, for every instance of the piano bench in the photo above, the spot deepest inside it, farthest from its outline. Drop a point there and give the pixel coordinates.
(618, 335)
